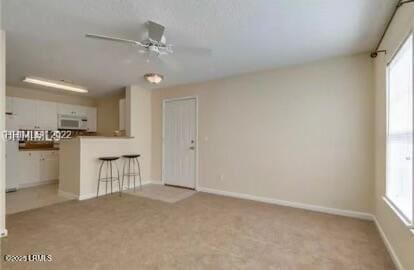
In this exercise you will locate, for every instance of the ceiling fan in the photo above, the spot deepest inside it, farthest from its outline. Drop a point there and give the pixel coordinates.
(155, 42)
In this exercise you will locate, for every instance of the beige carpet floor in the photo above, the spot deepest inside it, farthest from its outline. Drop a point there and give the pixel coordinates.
(201, 232)
(162, 193)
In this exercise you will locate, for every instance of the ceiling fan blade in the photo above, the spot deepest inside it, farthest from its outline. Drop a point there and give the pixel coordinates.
(155, 31)
(191, 50)
(114, 39)
(169, 62)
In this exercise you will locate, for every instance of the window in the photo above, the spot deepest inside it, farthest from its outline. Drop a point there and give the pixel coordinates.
(399, 189)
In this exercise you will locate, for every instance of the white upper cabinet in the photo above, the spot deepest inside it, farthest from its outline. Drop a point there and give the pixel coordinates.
(91, 116)
(65, 109)
(73, 110)
(43, 115)
(35, 114)
(46, 115)
(25, 109)
(82, 111)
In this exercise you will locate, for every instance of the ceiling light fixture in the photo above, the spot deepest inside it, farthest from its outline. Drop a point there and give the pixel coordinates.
(56, 84)
(153, 78)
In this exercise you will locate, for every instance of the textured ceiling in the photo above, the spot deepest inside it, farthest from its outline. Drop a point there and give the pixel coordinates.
(46, 37)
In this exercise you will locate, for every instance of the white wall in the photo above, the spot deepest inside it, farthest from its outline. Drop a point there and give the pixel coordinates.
(301, 134)
(50, 95)
(399, 237)
(2, 126)
(108, 115)
(138, 125)
(70, 167)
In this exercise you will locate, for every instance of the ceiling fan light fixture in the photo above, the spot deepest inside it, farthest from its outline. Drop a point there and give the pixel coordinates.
(153, 78)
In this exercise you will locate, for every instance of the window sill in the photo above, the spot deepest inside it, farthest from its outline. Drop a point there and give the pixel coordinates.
(401, 218)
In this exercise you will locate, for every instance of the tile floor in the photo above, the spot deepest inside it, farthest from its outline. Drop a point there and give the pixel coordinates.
(162, 193)
(34, 197)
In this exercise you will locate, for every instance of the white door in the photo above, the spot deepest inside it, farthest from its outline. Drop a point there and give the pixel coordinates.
(180, 134)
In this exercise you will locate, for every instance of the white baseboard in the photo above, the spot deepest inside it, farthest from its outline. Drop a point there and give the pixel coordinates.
(68, 195)
(93, 195)
(389, 247)
(3, 233)
(316, 208)
(35, 184)
(155, 182)
(334, 211)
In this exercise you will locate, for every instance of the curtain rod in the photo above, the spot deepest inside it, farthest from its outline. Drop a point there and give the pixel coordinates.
(377, 50)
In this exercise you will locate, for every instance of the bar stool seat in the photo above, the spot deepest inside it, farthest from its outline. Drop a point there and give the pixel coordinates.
(108, 158)
(108, 178)
(131, 172)
(131, 156)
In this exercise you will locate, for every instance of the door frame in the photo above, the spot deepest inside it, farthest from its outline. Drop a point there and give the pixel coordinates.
(164, 101)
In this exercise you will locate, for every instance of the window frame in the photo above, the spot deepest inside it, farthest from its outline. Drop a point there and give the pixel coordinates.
(390, 203)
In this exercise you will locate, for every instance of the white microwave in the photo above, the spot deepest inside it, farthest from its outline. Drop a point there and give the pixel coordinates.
(71, 122)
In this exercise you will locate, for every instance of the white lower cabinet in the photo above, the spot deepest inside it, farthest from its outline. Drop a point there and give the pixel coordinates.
(49, 166)
(37, 167)
(28, 161)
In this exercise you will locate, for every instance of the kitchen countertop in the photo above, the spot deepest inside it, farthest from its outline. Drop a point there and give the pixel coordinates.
(39, 149)
(105, 137)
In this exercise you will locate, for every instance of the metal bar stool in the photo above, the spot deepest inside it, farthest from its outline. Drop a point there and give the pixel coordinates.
(136, 170)
(108, 161)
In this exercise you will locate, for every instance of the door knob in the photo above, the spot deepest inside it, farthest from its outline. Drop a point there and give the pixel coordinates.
(192, 147)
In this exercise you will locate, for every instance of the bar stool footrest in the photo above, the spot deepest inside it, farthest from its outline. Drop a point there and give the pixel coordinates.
(109, 179)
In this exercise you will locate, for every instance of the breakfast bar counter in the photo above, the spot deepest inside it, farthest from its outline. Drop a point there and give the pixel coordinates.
(79, 164)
